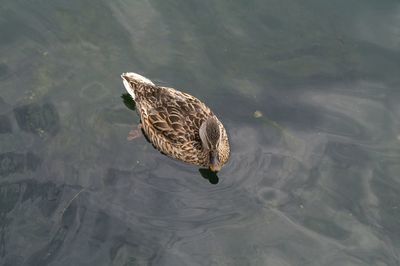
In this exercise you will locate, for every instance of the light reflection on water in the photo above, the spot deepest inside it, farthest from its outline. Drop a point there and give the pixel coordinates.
(312, 180)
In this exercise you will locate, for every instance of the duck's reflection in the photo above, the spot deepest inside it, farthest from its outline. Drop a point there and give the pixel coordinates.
(211, 176)
(128, 101)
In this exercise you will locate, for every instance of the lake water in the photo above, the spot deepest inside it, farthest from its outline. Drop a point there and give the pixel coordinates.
(309, 92)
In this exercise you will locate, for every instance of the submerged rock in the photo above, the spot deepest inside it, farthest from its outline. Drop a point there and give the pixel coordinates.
(12, 163)
(38, 119)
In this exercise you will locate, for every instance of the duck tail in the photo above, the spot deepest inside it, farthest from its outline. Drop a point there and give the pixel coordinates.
(131, 80)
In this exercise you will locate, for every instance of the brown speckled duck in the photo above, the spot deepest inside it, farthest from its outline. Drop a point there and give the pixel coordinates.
(178, 124)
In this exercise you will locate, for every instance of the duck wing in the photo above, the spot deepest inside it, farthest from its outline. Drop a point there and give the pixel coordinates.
(175, 115)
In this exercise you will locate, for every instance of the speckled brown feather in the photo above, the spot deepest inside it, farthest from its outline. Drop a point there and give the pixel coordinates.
(171, 121)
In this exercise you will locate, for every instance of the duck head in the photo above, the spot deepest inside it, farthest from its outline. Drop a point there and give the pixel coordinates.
(131, 80)
(210, 136)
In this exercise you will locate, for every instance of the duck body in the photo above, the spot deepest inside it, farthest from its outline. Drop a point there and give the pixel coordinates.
(172, 121)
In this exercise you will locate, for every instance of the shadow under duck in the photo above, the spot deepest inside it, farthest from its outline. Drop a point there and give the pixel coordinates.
(178, 124)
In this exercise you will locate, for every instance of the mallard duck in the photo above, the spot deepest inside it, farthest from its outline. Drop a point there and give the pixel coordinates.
(178, 124)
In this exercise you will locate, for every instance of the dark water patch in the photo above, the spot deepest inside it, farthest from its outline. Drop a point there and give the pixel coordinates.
(48, 194)
(10, 195)
(314, 50)
(69, 215)
(388, 194)
(318, 79)
(298, 115)
(386, 59)
(3, 70)
(3, 105)
(38, 119)
(16, 194)
(101, 227)
(114, 176)
(48, 198)
(133, 247)
(5, 124)
(32, 161)
(49, 252)
(14, 28)
(13, 260)
(11, 163)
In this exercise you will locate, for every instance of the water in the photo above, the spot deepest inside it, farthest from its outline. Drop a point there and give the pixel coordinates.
(308, 91)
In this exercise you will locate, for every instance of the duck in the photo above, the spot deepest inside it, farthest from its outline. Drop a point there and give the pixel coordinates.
(178, 124)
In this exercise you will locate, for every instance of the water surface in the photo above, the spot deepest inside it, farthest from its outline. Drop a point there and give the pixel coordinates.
(313, 176)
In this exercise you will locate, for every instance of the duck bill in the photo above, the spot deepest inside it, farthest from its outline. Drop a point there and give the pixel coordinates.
(214, 162)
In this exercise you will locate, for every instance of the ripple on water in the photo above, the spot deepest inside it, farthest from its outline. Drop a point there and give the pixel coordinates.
(162, 201)
(169, 195)
(340, 125)
(347, 153)
(272, 197)
(93, 92)
(347, 115)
